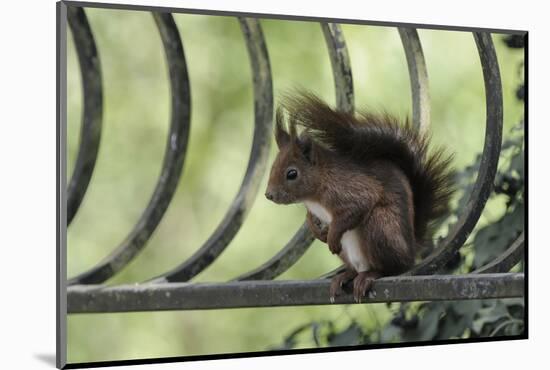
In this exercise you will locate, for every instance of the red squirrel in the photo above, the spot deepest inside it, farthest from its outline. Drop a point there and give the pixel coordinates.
(371, 187)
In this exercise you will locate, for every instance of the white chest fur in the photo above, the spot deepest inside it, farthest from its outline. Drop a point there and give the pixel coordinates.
(319, 211)
(351, 243)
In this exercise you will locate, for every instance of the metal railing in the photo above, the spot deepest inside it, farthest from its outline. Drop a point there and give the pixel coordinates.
(173, 291)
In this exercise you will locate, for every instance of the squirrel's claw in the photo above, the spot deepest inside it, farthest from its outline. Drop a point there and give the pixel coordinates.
(338, 281)
(335, 289)
(362, 284)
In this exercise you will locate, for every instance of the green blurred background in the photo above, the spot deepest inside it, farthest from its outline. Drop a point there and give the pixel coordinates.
(135, 126)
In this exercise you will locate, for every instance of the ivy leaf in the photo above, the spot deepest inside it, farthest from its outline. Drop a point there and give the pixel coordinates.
(290, 341)
(315, 333)
(466, 308)
(484, 243)
(510, 143)
(390, 333)
(489, 315)
(467, 192)
(452, 326)
(428, 324)
(349, 337)
(517, 163)
(490, 241)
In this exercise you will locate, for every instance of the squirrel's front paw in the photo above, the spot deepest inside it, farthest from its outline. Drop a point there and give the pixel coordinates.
(323, 235)
(334, 246)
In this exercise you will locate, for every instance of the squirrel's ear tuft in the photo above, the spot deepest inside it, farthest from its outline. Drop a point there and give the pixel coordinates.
(305, 146)
(281, 136)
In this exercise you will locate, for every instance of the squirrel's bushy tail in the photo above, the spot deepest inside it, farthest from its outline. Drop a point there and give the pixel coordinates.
(368, 136)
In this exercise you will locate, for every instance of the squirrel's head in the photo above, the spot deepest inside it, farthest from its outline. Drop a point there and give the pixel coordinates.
(294, 175)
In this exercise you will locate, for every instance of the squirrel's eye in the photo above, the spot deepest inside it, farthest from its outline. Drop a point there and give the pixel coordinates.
(291, 174)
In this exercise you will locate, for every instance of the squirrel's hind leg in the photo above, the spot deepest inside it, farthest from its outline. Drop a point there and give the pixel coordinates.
(389, 242)
(388, 246)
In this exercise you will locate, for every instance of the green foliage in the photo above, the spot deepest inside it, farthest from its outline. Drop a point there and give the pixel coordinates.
(462, 319)
(425, 322)
(492, 239)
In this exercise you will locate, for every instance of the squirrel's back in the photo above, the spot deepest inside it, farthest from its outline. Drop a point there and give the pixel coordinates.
(367, 136)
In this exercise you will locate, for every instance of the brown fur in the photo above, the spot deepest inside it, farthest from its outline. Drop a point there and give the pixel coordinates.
(371, 173)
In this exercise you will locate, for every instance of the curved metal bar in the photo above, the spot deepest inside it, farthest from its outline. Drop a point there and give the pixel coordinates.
(418, 74)
(92, 114)
(172, 165)
(341, 65)
(343, 84)
(333, 273)
(488, 166)
(263, 112)
(506, 260)
(282, 261)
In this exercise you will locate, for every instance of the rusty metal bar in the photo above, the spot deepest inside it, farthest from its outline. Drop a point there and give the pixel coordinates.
(418, 74)
(506, 260)
(173, 160)
(487, 169)
(92, 113)
(195, 296)
(263, 112)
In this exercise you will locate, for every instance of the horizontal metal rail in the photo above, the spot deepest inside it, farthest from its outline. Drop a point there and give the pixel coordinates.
(195, 296)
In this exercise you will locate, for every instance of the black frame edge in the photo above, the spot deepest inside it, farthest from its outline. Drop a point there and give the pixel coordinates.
(526, 179)
(164, 9)
(61, 250)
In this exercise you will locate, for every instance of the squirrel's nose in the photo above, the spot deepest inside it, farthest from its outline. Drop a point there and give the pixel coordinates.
(269, 195)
